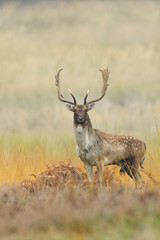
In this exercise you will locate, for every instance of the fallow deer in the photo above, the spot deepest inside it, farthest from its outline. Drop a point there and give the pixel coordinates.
(96, 148)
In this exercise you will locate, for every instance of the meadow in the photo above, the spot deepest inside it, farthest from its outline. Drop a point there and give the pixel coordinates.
(36, 132)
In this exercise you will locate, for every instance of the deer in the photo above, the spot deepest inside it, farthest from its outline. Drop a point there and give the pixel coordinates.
(96, 148)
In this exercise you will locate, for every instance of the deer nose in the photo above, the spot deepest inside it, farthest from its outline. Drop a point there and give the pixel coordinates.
(80, 118)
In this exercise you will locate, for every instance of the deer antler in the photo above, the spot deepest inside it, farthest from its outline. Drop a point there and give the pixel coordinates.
(59, 91)
(105, 76)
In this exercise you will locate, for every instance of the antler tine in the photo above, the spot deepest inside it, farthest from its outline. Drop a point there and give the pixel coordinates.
(57, 83)
(74, 99)
(85, 99)
(105, 76)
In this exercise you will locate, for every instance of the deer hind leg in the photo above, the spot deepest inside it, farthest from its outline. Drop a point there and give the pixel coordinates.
(142, 160)
(138, 179)
(131, 167)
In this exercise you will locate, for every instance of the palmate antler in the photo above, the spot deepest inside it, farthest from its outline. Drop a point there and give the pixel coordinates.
(105, 76)
(60, 96)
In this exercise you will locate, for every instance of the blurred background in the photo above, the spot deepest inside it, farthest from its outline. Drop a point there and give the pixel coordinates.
(37, 38)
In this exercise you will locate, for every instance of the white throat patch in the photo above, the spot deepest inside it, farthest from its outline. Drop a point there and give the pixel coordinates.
(79, 129)
(82, 137)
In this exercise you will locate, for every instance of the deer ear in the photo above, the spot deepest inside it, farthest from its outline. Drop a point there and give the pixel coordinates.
(90, 106)
(70, 107)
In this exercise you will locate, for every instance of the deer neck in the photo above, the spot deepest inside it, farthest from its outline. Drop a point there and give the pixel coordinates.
(83, 134)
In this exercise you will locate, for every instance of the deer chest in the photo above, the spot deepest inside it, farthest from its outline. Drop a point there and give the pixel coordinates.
(84, 145)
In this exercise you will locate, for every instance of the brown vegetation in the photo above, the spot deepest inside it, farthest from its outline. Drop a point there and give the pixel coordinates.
(64, 175)
(58, 204)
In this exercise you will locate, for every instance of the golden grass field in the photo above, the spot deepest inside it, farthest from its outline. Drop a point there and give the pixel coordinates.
(36, 40)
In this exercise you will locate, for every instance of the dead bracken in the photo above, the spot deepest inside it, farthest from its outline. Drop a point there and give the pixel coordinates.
(64, 175)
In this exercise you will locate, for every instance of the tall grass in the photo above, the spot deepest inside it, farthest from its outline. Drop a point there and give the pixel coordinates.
(24, 155)
(80, 36)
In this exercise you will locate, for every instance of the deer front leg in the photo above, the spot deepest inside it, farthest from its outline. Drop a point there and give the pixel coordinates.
(100, 168)
(89, 171)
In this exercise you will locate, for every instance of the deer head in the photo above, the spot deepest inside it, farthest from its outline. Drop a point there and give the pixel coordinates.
(80, 110)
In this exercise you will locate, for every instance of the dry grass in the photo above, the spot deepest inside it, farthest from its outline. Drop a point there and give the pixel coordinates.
(56, 205)
(22, 155)
(36, 39)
